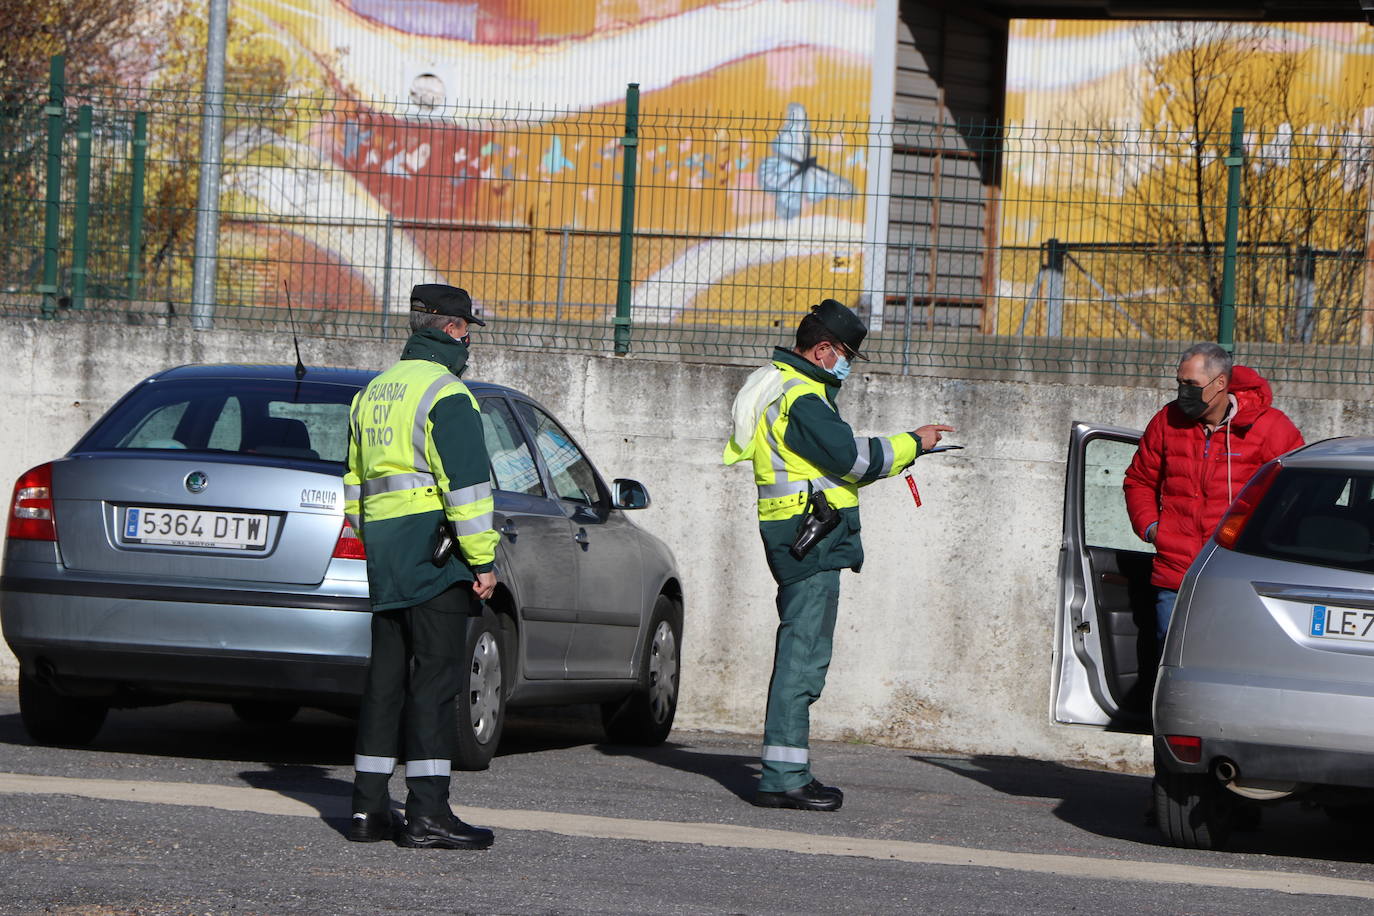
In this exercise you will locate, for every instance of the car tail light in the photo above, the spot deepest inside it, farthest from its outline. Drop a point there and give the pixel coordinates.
(31, 509)
(349, 546)
(1187, 748)
(1236, 517)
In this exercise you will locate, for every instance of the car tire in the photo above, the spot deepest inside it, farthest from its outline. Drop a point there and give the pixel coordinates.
(1193, 810)
(260, 712)
(645, 717)
(51, 718)
(480, 709)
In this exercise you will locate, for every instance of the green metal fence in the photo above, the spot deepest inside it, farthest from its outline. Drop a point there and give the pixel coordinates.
(974, 250)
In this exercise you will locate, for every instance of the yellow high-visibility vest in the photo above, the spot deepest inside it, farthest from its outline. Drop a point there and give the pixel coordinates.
(401, 472)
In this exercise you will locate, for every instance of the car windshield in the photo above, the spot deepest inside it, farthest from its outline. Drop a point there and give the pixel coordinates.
(267, 417)
(1323, 517)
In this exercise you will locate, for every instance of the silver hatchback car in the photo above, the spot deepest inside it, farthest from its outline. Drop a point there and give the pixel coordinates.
(1265, 689)
(193, 545)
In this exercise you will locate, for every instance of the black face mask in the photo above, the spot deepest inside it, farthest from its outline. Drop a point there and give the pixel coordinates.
(1190, 401)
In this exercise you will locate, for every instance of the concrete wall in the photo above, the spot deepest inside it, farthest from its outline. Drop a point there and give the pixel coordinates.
(944, 642)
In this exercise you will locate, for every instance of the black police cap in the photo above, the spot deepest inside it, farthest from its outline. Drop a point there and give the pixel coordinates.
(441, 299)
(843, 323)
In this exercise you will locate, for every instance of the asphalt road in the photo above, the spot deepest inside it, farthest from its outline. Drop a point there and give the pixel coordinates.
(185, 810)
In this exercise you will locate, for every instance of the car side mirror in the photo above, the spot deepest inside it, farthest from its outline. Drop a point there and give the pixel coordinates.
(629, 494)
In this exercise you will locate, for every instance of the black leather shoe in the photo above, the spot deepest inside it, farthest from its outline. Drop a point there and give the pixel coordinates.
(370, 828)
(816, 786)
(806, 798)
(443, 831)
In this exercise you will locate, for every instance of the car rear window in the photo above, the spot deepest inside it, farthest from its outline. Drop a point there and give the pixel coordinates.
(1309, 515)
(275, 418)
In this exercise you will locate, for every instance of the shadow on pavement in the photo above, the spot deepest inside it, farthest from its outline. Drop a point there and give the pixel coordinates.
(1114, 805)
(310, 785)
(532, 729)
(1107, 804)
(211, 731)
(738, 773)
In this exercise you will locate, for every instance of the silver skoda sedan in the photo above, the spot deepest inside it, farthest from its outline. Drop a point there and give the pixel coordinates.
(193, 545)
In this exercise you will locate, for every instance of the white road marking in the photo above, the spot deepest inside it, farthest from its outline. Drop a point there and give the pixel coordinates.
(730, 836)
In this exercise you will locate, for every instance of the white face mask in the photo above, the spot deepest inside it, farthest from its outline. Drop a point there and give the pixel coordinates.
(841, 368)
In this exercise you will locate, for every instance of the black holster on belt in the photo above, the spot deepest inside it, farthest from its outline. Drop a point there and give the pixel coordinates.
(818, 520)
(444, 549)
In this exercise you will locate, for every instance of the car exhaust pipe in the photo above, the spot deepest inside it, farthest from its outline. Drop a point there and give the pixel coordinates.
(1227, 773)
(45, 672)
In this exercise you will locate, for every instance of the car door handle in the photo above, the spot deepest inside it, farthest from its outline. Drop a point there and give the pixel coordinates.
(508, 528)
(581, 537)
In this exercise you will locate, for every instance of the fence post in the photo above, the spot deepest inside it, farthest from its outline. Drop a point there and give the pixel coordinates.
(206, 258)
(81, 228)
(138, 169)
(910, 303)
(386, 264)
(561, 291)
(627, 220)
(1054, 287)
(1226, 320)
(52, 212)
(1304, 293)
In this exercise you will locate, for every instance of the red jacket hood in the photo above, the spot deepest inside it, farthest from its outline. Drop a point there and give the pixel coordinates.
(1253, 395)
(1253, 398)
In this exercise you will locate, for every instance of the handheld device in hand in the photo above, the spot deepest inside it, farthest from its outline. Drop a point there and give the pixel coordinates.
(941, 448)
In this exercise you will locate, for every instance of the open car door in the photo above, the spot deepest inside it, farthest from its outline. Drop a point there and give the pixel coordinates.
(1105, 654)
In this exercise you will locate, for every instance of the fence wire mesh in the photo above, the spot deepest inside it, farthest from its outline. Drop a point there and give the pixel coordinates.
(972, 249)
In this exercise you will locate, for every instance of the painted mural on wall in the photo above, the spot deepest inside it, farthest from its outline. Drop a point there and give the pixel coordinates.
(488, 133)
(1118, 134)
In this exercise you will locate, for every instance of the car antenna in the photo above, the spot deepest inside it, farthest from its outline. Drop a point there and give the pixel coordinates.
(300, 366)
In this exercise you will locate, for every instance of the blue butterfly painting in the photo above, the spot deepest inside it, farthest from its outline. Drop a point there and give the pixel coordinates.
(792, 175)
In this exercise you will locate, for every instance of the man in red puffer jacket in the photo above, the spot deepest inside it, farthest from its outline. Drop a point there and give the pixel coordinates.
(1196, 455)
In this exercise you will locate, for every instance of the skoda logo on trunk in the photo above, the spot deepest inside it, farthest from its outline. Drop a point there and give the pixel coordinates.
(197, 481)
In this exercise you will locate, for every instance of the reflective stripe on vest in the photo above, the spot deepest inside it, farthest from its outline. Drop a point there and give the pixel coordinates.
(465, 495)
(861, 463)
(394, 482)
(793, 487)
(422, 409)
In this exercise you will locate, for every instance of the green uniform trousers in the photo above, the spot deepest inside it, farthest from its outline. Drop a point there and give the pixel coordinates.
(806, 629)
(408, 704)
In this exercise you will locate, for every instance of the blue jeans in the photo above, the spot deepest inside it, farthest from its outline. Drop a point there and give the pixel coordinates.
(1164, 612)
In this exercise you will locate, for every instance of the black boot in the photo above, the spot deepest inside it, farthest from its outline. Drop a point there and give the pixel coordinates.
(443, 831)
(370, 828)
(816, 786)
(810, 797)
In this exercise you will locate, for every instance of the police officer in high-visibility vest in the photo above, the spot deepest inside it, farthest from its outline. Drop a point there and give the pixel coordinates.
(808, 466)
(417, 465)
